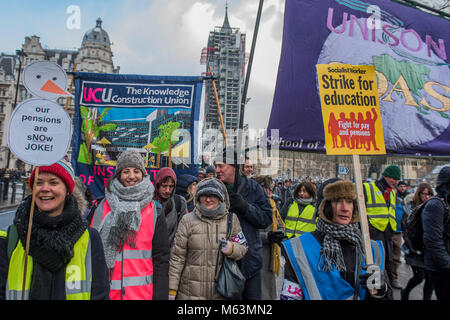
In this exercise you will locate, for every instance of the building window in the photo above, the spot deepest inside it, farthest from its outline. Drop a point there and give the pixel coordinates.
(23, 94)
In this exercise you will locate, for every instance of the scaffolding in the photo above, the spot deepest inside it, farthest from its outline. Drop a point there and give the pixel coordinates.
(205, 53)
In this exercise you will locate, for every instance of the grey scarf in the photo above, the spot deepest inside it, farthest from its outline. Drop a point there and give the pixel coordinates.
(331, 252)
(304, 202)
(121, 225)
(214, 212)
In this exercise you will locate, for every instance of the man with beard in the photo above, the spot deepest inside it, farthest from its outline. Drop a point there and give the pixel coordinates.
(250, 203)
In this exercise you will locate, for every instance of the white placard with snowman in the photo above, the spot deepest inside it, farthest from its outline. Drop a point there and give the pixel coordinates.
(45, 79)
(40, 130)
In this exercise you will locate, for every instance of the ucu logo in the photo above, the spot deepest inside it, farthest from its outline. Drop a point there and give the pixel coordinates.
(97, 95)
(295, 291)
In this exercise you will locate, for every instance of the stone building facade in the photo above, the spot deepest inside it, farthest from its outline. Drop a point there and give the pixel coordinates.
(94, 55)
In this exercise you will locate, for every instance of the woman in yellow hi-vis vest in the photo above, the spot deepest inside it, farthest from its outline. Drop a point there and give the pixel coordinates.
(66, 259)
(299, 211)
(381, 201)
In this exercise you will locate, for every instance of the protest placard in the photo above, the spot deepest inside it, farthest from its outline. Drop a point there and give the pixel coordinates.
(45, 79)
(352, 122)
(350, 109)
(39, 132)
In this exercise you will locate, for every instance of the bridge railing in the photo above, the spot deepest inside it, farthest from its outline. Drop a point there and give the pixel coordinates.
(12, 192)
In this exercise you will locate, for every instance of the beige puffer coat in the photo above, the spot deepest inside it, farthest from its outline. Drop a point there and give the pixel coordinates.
(194, 254)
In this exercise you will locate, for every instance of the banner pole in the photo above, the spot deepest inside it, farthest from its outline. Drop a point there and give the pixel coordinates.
(30, 223)
(362, 209)
(219, 110)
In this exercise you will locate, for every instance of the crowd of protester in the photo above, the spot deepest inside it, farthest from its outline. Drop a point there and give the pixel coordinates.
(168, 238)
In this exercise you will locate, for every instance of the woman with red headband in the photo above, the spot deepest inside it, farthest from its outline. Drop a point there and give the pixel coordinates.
(66, 259)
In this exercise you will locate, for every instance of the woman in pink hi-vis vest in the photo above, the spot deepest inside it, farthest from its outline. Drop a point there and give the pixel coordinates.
(134, 235)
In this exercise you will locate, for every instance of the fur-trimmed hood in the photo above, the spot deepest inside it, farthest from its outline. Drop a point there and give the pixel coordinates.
(81, 200)
(338, 190)
(409, 198)
(78, 194)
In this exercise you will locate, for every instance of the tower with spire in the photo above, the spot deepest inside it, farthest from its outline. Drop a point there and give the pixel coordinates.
(225, 53)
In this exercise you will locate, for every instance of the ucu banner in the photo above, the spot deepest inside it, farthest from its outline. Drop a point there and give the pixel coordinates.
(155, 115)
(160, 94)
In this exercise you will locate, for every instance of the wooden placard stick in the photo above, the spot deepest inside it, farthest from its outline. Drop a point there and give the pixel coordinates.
(219, 110)
(30, 223)
(362, 212)
(66, 107)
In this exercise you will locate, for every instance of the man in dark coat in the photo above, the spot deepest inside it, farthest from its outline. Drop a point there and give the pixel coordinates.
(250, 203)
(284, 192)
(436, 236)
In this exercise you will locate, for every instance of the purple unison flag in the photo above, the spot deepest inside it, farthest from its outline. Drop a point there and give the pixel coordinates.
(408, 49)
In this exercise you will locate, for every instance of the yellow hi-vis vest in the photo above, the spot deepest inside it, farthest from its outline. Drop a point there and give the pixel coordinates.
(297, 224)
(378, 213)
(78, 272)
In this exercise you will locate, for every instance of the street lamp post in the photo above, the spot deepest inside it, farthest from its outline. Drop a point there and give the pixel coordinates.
(20, 54)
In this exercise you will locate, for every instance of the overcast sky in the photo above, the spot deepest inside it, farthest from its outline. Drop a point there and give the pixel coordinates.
(157, 37)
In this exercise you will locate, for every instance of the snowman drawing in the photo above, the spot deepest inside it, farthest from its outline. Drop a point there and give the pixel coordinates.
(45, 79)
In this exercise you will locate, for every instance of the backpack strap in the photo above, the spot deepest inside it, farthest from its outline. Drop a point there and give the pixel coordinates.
(94, 206)
(158, 206)
(229, 224)
(229, 227)
(444, 203)
(13, 239)
(177, 201)
(242, 184)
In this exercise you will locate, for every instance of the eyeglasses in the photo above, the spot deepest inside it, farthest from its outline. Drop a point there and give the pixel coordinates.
(425, 194)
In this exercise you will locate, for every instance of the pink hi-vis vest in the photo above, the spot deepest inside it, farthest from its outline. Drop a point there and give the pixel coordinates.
(134, 280)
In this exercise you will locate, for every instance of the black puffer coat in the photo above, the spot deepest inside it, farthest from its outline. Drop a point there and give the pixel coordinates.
(436, 226)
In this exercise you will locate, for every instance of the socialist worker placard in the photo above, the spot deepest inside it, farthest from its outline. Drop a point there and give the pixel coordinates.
(350, 109)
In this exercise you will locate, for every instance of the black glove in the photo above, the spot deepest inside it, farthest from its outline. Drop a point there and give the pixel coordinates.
(237, 204)
(276, 236)
(377, 284)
